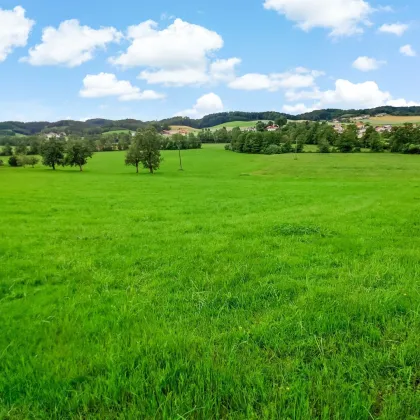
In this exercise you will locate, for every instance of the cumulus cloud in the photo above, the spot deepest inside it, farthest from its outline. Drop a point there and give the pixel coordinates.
(178, 55)
(70, 44)
(341, 17)
(408, 51)
(346, 95)
(106, 84)
(296, 109)
(181, 44)
(296, 79)
(206, 104)
(394, 28)
(14, 30)
(367, 63)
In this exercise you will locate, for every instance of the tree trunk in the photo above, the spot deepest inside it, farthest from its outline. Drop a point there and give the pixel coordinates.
(81, 168)
(53, 166)
(137, 168)
(151, 169)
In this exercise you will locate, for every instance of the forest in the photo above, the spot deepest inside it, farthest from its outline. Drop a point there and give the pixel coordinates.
(100, 125)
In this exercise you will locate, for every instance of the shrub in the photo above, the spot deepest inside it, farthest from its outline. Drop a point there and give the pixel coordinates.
(272, 149)
(324, 147)
(14, 162)
(228, 147)
(1, 163)
(413, 149)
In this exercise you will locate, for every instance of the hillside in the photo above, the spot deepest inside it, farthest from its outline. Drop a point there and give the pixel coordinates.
(227, 119)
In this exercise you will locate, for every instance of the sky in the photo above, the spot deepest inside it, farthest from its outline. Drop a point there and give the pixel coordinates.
(157, 59)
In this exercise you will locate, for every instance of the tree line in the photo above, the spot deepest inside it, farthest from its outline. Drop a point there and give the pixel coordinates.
(144, 149)
(293, 136)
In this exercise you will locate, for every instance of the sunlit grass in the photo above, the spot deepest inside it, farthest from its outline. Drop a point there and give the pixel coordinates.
(243, 287)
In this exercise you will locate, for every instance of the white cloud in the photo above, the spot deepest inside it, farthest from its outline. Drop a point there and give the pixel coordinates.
(70, 45)
(296, 79)
(178, 55)
(206, 104)
(106, 84)
(296, 109)
(342, 17)
(224, 70)
(180, 45)
(346, 95)
(394, 28)
(367, 63)
(402, 102)
(408, 51)
(14, 30)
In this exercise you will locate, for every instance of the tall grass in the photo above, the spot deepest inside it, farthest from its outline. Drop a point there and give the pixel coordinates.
(244, 287)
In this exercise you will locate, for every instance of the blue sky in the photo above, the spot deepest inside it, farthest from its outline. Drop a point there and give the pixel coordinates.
(151, 60)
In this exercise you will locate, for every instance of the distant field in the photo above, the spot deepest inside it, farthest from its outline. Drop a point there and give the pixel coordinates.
(244, 287)
(111, 133)
(233, 124)
(393, 120)
(175, 128)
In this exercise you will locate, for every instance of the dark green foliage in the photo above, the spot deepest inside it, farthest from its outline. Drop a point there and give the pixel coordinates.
(180, 142)
(347, 142)
(77, 154)
(6, 150)
(52, 152)
(413, 149)
(272, 149)
(21, 149)
(14, 161)
(324, 146)
(145, 149)
(281, 121)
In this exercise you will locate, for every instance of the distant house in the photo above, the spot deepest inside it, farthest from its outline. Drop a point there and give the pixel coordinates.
(339, 128)
(381, 115)
(54, 135)
(380, 129)
(273, 127)
(360, 125)
(388, 128)
(250, 129)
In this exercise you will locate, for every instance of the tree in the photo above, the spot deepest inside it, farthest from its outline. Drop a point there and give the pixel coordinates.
(133, 155)
(7, 150)
(78, 153)
(348, 140)
(52, 152)
(31, 160)
(21, 149)
(145, 149)
(14, 161)
(281, 121)
(260, 126)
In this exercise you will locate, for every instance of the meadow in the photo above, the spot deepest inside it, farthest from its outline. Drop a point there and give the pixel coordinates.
(244, 287)
(232, 124)
(393, 120)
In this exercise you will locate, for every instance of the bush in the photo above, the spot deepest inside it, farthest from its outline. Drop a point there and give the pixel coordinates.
(14, 162)
(324, 147)
(228, 147)
(413, 149)
(1, 163)
(272, 149)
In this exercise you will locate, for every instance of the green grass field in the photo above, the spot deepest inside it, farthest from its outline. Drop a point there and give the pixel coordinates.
(113, 132)
(233, 124)
(245, 287)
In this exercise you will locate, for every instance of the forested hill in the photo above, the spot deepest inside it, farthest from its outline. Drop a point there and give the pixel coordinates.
(100, 125)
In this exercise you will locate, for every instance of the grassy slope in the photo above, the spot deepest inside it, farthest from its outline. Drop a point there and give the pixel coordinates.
(113, 132)
(233, 124)
(393, 120)
(249, 286)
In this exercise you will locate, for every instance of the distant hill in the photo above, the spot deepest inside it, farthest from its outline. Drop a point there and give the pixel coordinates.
(101, 125)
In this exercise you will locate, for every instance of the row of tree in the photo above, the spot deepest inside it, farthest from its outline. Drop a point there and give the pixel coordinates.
(293, 136)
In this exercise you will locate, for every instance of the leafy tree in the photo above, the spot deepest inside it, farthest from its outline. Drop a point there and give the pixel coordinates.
(281, 121)
(14, 161)
(260, 126)
(134, 154)
(31, 160)
(21, 149)
(7, 150)
(145, 149)
(348, 140)
(78, 153)
(52, 152)
(323, 146)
